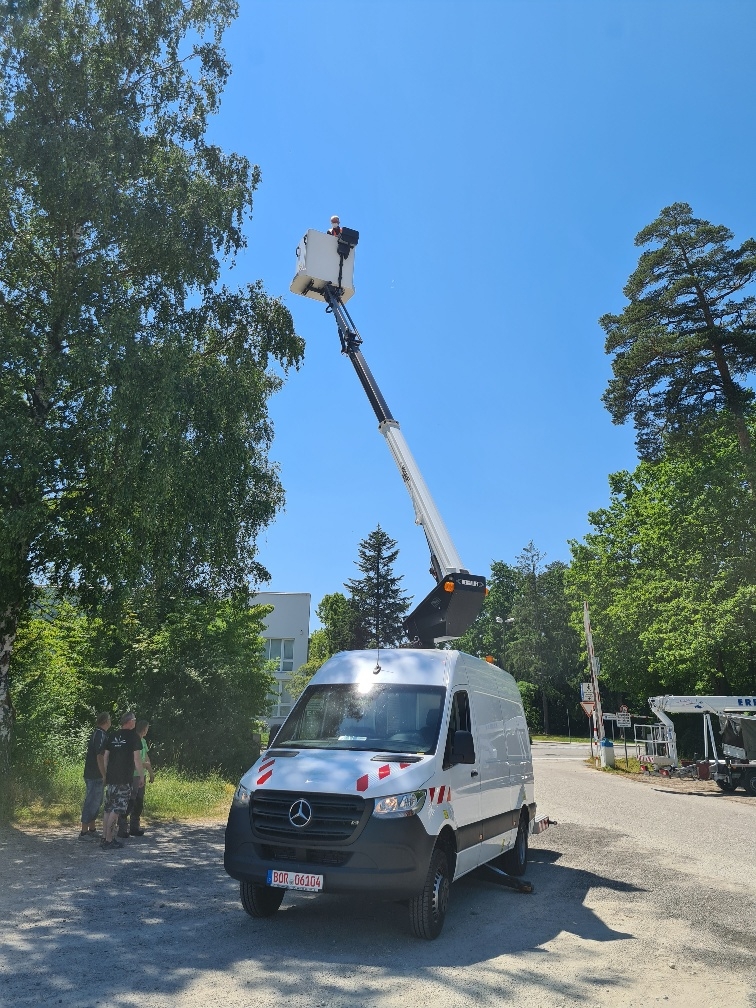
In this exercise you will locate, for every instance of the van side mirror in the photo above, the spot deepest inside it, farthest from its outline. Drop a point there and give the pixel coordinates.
(463, 748)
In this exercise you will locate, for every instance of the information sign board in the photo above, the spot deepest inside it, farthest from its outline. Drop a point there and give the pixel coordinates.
(624, 721)
(586, 692)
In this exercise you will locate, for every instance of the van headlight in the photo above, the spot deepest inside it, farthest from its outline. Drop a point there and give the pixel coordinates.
(241, 797)
(393, 806)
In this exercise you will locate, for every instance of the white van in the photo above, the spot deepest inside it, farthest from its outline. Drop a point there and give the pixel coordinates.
(396, 773)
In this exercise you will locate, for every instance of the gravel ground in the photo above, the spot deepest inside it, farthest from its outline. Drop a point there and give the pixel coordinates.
(644, 895)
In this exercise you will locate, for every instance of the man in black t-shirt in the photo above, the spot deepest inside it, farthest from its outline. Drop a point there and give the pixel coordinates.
(94, 777)
(123, 762)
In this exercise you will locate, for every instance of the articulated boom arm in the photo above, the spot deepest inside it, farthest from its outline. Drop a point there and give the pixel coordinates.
(444, 557)
(701, 705)
(451, 607)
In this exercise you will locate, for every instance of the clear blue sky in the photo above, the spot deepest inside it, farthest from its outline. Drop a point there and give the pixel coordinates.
(498, 159)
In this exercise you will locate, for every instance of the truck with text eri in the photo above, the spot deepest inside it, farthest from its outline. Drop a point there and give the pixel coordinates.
(397, 771)
(735, 768)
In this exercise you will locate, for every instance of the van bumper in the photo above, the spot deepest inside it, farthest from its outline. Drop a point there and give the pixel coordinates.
(388, 859)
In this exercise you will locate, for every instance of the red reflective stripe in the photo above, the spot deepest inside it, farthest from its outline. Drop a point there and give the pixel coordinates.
(265, 776)
(432, 792)
(362, 783)
(403, 766)
(383, 771)
(441, 794)
(266, 764)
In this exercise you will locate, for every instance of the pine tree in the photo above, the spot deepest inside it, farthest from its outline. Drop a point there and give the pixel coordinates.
(685, 346)
(377, 596)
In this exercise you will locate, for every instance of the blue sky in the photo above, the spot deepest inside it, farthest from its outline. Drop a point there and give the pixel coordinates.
(498, 159)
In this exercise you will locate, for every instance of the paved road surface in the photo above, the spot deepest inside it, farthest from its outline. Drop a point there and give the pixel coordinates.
(644, 896)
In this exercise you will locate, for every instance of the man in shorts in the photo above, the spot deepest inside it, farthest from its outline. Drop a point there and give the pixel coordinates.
(94, 774)
(123, 767)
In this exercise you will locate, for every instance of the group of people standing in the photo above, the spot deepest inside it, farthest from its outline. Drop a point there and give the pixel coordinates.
(117, 766)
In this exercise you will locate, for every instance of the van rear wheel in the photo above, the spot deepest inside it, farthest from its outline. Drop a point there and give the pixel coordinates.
(260, 900)
(428, 909)
(515, 861)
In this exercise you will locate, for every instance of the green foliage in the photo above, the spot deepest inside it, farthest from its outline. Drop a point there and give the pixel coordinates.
(134, 383)
(197, 674)
(200, 677)
(491, 632)
(544, 648)
(688, 332)
(376, 597)
(61, 679)
(529, 693)
(669, 572)
(524, 624)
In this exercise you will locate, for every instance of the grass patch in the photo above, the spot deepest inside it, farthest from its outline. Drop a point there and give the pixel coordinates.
(560, 738)
(632, 765)
(53, 793)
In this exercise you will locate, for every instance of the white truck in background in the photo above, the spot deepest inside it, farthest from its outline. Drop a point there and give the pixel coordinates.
(737, 722)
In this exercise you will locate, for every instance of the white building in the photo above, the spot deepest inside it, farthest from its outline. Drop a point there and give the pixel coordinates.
(287, 634)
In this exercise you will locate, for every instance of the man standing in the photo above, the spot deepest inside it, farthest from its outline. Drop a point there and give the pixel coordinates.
(94, 773)
(123, 755)
(129, 825)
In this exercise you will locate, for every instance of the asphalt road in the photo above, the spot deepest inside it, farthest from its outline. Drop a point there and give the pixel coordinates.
(644, 896)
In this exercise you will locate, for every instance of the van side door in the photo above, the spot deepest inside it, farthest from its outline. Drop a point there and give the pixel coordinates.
(464, 781)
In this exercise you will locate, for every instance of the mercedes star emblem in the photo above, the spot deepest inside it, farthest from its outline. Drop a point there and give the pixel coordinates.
(300, 813)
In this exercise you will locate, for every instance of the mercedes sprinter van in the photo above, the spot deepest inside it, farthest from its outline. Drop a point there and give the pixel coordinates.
(396, 772)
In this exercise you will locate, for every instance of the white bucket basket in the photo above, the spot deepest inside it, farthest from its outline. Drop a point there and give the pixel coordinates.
(318, 263)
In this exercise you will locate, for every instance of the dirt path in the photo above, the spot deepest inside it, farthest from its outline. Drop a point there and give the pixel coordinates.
(619, 917)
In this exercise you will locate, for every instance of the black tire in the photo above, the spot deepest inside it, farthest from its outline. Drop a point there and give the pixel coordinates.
(427, 910)
(749, 783)
(515, 861)
(727, 786)
(260, 900)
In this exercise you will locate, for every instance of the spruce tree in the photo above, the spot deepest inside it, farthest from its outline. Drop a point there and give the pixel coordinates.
(377, 596)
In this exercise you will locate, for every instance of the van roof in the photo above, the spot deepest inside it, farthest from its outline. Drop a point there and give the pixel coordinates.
(400, 665)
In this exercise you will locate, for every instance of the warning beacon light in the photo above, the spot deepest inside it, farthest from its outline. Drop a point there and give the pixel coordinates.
(325, 259)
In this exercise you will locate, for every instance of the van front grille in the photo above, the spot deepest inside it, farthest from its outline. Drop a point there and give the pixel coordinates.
(333, 818)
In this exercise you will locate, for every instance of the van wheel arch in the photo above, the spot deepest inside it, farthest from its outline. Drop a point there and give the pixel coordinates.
(447, 841)
(515, 860)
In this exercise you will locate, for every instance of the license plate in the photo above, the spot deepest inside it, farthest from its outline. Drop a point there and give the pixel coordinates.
(295, 880)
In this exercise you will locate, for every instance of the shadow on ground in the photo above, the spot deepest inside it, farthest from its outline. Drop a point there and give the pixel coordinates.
(84, 927)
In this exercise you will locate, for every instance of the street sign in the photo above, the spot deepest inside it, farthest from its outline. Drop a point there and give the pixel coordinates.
(623, 709)
(611, 717)
(588, 707)
(586, 692)
(624, 720)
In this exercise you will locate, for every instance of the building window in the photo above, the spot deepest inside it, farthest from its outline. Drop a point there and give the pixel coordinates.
(280, 701)
(281, 651)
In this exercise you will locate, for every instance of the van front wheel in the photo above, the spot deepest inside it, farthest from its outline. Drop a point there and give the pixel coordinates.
(515, 861)
(260, 900)
(428, 908)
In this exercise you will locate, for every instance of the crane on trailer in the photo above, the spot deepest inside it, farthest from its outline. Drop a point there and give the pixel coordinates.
(325, 272)
(737, 719)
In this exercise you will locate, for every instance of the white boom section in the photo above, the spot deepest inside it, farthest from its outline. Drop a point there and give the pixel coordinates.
(702, 704)
(663, 705)
(426, 512)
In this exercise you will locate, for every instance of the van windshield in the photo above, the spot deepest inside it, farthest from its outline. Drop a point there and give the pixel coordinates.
(376, 717)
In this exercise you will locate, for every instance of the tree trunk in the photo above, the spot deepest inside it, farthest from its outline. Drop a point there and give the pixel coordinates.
(545, 708)
(8, 628)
